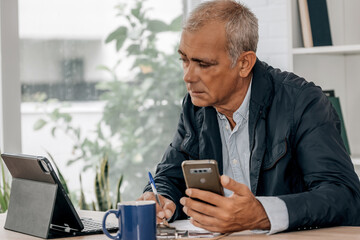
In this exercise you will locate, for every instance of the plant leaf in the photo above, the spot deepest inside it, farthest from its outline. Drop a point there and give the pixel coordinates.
(93, 206)
(119, 43)
(119, 33)
(3, 205)
(135, 12)
(118, 194)
(133, 49)
(176, 23)
(53, 131)
(82, 202)
(98, 192)
(157, 26)
(106, 170)
(39, 124)
(104, 68)
(3, 192)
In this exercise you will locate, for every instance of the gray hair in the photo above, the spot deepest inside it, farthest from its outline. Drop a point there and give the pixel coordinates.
(241, 25)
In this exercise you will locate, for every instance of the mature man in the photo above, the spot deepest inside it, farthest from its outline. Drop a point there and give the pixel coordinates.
(275, 136)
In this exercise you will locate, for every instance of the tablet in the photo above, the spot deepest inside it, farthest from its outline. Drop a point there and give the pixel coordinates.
(37, 168)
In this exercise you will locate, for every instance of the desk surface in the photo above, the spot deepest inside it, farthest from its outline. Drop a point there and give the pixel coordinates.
(335, 233)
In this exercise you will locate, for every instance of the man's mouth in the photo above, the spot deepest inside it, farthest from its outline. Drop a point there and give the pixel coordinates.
(195, 92)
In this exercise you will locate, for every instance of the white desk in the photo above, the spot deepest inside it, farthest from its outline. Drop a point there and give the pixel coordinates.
(335, 233)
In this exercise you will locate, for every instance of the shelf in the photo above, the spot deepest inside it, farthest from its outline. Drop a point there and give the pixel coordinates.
(344, 49)
(333, 67)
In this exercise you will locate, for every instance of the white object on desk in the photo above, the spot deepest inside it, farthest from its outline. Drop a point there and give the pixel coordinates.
(196, 232)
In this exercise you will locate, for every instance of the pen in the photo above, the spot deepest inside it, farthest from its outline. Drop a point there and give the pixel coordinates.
(152, 183)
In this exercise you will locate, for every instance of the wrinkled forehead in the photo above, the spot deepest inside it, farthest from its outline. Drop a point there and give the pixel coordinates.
(211, 37)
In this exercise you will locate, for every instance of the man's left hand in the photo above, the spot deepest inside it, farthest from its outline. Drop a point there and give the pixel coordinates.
(240, 211)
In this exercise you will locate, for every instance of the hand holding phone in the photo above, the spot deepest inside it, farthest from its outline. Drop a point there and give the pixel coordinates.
(202, 174)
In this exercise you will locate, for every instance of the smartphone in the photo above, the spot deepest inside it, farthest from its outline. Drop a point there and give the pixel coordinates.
(202, 174)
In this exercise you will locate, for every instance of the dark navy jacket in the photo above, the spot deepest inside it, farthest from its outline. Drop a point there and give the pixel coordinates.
(296, 151)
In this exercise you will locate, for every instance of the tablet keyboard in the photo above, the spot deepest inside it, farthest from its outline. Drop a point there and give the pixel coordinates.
(95, 226)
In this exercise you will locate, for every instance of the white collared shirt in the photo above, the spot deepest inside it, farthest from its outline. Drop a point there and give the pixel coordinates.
(236, 162)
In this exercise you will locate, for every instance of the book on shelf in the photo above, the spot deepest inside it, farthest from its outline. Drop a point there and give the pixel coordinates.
(315, 25)
(336, 104)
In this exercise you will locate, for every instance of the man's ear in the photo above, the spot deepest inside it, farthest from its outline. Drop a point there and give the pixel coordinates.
(246, 62)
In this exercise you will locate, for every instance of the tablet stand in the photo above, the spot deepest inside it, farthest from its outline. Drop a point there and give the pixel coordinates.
(31, 207)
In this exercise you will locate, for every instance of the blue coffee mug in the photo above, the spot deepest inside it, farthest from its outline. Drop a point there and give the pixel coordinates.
(137, 221)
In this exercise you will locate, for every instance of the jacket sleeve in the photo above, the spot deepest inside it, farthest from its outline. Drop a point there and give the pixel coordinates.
(169, 178)
(332, 190)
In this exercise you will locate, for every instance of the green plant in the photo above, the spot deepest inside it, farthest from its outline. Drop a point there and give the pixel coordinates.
(82, 202)
(4, 189)
(141, 112)
(84, 147)
(102, 189)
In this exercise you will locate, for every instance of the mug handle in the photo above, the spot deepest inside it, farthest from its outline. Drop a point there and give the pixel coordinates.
(118, 215)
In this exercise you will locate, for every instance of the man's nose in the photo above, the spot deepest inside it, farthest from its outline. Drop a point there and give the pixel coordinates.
(189, 73)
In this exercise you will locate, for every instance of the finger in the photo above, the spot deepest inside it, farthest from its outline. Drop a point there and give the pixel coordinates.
(211, 228)
(159, 210)
(200, 217)
(169, 208)
(204, 208)
(159, 220)
(147, 196)
(150, 196)
(236, 187)
(206, 196)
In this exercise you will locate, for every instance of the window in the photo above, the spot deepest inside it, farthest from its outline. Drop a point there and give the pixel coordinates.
(100, 79)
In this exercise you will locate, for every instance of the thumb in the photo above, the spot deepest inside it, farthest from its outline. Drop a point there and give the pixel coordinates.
(234, 186)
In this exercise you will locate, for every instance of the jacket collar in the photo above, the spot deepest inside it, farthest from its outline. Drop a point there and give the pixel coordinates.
(262, 86)
(261, 97)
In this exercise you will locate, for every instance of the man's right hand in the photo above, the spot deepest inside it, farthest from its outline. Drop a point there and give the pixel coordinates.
(168, 206)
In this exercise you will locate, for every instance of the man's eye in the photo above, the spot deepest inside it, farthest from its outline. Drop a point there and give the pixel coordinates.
(204, 65)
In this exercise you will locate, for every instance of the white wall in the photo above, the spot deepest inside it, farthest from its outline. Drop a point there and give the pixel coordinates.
(274, 40)
(59, 19)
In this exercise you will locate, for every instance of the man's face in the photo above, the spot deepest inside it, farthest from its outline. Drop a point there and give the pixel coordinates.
(208, 75)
